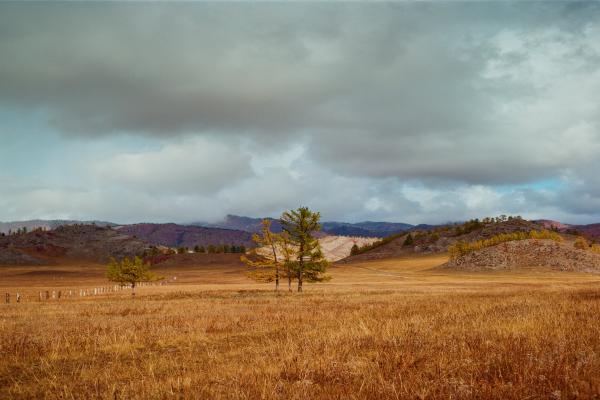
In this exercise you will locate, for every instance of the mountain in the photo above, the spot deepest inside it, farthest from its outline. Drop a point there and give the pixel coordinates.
(30, 225)
(174, 235)
(365, 229)
(240, 223)
(68, 242)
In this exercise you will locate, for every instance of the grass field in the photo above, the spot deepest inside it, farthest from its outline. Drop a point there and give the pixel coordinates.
(382, 329)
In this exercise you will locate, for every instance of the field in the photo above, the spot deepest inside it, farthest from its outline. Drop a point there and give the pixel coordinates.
(384, 329)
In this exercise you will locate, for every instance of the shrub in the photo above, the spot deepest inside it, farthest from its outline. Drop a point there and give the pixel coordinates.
(581, 243)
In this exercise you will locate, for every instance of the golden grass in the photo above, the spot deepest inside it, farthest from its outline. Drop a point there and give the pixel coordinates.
(386, 329)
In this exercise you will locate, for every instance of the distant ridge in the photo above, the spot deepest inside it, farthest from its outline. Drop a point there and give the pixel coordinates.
(32, 224)
(365, 229)
(174, 235)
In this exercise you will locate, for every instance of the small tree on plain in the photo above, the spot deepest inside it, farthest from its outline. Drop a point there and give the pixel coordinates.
(308, 262)
(130, 272)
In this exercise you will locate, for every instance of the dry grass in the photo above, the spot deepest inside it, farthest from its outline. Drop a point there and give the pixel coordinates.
(387, 329)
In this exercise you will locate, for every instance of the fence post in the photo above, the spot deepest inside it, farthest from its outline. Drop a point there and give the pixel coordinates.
(40, 296)
(59, 294)
(47, 295)
(7, 298)
(18, 297)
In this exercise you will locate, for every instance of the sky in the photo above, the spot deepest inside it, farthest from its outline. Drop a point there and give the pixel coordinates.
(422, 112)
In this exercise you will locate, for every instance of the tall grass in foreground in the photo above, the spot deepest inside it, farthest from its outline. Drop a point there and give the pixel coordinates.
(491, 343)
(463, 248)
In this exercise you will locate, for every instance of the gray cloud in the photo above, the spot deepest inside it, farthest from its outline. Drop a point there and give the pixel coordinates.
(387, 98)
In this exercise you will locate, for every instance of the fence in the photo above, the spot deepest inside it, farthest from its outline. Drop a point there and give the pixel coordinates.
(49, 295)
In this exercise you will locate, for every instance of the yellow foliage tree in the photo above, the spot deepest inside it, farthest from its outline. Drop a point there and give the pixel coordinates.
(463, 248)
(265, 267)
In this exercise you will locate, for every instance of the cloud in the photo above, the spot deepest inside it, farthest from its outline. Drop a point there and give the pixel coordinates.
(192, 166)
(402, 111)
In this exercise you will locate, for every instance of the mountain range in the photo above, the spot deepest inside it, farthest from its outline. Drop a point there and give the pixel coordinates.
(238, 230)
(365, 229)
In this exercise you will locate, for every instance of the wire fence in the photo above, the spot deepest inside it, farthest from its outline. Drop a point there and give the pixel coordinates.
(62, 294)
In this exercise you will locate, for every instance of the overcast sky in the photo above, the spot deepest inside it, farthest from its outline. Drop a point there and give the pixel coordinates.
(412, 112)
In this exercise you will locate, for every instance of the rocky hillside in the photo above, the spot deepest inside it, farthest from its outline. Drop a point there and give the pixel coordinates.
(528, 253)
(73, 242)
(174, 235)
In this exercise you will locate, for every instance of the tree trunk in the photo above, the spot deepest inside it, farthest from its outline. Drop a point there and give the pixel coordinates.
(133, 289)
(290, 281)
(300, 281)
(276, 264)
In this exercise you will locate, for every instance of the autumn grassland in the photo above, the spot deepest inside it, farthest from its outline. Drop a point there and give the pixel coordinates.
(398, 328)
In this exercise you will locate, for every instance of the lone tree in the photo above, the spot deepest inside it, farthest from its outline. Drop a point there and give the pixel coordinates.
(266, 267)
(130, 272)
(354, 250)
(308, 262)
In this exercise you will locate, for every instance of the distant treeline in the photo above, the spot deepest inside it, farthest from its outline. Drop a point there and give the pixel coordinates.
(213, 249)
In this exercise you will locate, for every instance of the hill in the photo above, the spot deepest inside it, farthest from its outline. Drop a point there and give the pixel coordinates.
(174, 235)
(528, 253)
(591, 231)
(437, 240)
(71, 242)
(30, 225)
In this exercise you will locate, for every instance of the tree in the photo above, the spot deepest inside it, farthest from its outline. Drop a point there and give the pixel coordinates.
(308, 262)
(130, 272)
(196, 249)
(354, 250)
(287, 254)
(409, 240)
(265, 267)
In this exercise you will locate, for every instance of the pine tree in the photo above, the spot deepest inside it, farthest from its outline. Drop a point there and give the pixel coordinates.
(409, 240)
(308, 262)
(130, 272)
(354, 250)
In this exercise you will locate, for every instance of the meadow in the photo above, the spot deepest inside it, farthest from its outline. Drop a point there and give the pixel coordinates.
(387, 329)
